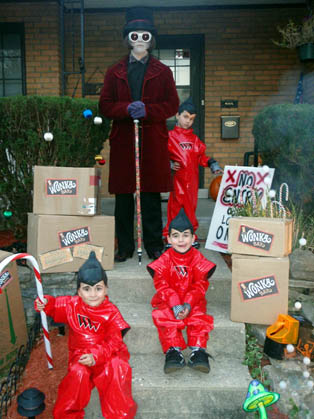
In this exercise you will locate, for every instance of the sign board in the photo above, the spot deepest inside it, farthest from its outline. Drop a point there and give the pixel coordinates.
(235, 187)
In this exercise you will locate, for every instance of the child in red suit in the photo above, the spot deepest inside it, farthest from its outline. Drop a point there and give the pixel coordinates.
(98, 357)
(187, 152)
(181, 280)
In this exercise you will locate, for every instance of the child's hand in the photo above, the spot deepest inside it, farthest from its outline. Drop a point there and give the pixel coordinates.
(175, 165)
(217, 172)
(183, 314)
(40, 306)
(87, 359)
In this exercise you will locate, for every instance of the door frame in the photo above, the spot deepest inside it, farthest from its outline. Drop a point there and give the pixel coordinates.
(195, 42)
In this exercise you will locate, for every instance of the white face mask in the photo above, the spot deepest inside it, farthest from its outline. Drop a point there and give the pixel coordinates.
(140, 41)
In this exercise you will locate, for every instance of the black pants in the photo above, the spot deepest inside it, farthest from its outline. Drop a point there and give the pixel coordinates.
(151, 221)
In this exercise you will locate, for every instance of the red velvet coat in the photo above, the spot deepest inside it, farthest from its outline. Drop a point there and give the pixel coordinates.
(161, 100)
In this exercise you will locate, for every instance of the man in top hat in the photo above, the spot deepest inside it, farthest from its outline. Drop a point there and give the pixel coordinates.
(139, 87)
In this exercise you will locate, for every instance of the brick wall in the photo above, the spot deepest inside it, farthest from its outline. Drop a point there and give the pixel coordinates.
(41, 44)
(241, 62)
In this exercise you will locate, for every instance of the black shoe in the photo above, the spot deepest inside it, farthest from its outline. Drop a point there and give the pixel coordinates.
(154, 254)
(174, 361)
(199, 361)
(123, 256)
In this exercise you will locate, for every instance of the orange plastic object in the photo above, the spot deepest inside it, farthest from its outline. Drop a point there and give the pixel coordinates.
(285, 330)
(214, 187)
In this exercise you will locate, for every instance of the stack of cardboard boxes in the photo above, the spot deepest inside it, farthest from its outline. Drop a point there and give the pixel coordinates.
(64, 226)
(260, 268)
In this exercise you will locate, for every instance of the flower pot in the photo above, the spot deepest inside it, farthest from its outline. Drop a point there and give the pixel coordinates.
(306, 52)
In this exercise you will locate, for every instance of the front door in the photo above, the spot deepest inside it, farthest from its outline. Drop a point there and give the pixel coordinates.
(185, 56)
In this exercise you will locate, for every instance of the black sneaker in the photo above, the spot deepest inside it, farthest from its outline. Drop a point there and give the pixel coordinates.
(199, 361)
(174, 361)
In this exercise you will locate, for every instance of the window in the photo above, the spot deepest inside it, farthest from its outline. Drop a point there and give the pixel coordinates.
(178, 59)
(12, 74)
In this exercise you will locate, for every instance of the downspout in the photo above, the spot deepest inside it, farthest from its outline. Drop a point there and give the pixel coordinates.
(82, 60)
(61, 13)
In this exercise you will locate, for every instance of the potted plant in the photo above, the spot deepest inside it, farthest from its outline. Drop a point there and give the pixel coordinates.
(300, 37)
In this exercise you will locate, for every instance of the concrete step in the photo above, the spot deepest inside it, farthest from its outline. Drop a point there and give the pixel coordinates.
(184, 394)
(130, 282)
(204, 211)
(227, 338)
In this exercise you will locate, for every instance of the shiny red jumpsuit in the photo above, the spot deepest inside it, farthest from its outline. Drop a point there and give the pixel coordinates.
(96, 331)
(187, 149)
(178, 279)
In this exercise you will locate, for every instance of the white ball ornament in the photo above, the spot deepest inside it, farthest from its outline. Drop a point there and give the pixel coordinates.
(283, 385)
(97, 120)
(48, 136)
(272, 193)
(290, 348)
(306, 360)
(302, 241)
(306, 374)
(297, 305)
(310, 384)
(267, 180)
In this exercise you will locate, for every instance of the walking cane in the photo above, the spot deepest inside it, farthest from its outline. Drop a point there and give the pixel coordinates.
(138, 192)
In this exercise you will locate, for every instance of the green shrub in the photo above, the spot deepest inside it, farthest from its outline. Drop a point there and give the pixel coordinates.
(284, 135)
(24, 120)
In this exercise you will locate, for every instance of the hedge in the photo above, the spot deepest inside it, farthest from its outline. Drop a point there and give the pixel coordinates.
(24, 121)
(284, 135)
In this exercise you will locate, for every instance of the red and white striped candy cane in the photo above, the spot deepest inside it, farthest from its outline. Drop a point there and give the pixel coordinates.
(40, 294)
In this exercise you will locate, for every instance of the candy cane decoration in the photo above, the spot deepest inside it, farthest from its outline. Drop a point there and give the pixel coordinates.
(282, 208)
(280, 192)
(40, 294)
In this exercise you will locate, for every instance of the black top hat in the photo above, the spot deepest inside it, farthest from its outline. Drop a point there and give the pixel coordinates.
(91, 272)
(139, 18)
(181, 222)
(187, 105)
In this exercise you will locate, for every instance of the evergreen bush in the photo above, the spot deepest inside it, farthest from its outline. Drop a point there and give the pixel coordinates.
(24, 121)
(284, 135)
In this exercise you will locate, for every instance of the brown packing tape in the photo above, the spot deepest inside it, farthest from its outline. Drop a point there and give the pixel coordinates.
(55, 258)
(82, 251)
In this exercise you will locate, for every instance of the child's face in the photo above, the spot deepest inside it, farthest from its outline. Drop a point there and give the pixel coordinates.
(181, 241)
(185, 119)
(92, 295)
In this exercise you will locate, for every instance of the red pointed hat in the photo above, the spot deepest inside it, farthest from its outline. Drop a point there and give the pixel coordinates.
(139, 18)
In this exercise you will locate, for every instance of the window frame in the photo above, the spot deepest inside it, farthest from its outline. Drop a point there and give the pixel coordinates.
(16, 28)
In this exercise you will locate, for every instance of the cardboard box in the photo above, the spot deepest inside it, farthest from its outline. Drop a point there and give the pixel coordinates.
(259, 289)
(13, 331)
(65, 190)
(260, 236)
(62, 243)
